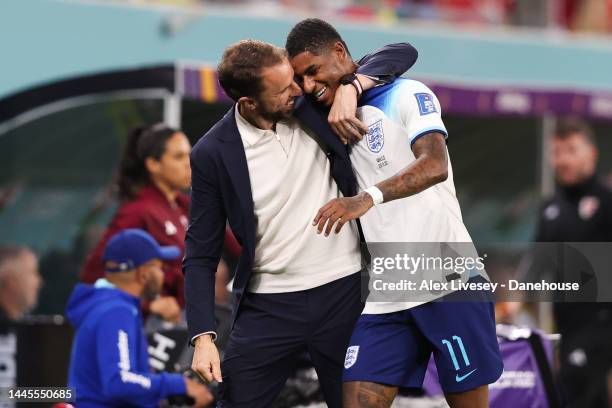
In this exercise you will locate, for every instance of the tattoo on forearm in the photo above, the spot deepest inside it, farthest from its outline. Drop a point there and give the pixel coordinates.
(429, 168)
(372, 395)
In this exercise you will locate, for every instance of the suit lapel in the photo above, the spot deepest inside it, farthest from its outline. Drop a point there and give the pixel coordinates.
(234, 159)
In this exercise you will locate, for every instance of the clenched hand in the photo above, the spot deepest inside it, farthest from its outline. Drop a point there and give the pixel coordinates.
(206, 362)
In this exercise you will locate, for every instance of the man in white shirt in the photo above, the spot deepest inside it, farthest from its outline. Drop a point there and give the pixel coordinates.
(402, 162)
(267, 167)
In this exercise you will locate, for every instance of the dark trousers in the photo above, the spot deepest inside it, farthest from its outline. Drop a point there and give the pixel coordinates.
(273, 330)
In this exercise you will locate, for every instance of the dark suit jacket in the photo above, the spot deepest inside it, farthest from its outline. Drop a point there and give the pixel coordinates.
(221, 192)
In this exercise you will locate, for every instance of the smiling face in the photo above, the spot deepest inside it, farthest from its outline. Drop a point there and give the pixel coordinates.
(279, 92)
(319, 74)
(258, 76)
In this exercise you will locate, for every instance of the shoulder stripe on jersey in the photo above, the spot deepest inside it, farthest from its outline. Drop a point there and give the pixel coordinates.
(424, 132)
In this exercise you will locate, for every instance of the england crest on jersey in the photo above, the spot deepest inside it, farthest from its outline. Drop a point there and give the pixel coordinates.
(426, 103)
(375, 137)
(351, 356)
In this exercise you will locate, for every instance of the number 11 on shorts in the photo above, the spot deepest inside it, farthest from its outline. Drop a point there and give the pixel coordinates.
(451, 351)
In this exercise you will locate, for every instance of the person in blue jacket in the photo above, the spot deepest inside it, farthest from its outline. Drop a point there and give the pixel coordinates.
(109, 364)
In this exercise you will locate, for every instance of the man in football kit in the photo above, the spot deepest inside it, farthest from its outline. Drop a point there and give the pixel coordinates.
(402, 162)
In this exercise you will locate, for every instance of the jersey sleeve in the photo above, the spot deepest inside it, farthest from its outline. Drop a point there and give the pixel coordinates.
(419, 111)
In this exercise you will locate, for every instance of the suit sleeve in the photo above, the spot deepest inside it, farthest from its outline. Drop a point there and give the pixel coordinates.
(388, 62)
(203, 244)
(117, 351)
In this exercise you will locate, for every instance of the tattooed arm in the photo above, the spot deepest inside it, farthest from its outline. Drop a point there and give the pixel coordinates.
(429, 168)
(361, 394)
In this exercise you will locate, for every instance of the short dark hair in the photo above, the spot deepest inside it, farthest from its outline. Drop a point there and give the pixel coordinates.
(240, 67)
(569, 126)
(313, 35)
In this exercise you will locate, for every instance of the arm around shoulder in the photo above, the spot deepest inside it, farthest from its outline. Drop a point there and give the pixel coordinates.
(389, 62)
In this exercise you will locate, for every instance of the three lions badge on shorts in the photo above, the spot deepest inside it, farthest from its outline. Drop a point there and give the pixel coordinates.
(351, 356)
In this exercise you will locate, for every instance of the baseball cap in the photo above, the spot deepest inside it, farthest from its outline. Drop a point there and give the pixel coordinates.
(133, 247)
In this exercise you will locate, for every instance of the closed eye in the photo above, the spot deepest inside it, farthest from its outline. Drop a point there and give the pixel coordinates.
(311, 70)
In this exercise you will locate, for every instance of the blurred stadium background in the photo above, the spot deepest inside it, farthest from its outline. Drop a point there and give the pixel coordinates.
(77, 75)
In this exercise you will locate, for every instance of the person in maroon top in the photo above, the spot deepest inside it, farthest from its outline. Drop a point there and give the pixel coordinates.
(153, 172)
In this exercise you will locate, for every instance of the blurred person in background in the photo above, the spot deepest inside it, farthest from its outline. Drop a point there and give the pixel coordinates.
(579, 211)
(153, 173)
(20, 282)
(109, 361)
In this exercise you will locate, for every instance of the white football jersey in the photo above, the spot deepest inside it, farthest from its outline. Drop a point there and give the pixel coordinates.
(397, 115)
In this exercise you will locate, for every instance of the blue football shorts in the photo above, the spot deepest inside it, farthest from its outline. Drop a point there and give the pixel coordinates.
(395, 348)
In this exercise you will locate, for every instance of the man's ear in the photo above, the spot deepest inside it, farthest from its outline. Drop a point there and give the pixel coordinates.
(339, 50)
(248, 103)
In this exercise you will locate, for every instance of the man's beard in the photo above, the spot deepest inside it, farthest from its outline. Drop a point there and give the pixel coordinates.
(275, 116)
(150, 291)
